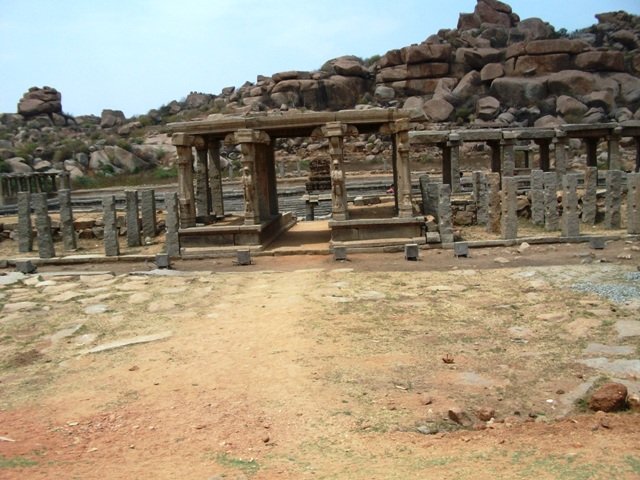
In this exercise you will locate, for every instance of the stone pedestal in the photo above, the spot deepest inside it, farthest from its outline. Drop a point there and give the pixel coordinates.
(43, 226)
(509, 199)
(570, 221)
(613, 199)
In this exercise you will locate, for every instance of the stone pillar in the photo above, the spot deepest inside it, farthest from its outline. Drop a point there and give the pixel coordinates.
(25, 230)
(148, 213)
(66, 221)
(543, 144)
(508, 154)
(215, 178)
(454, 160)
(201, 170)
(570, 221)
(480, 197)
(133, 225)
(494, 208)
(444, 213)
(509, 199)
(633, 203)
(186, 198)
(591, 144)
(111, 246)
(255, 179)
(496, 157)
(560, 153)
(550, 181)
(446, 163)
(590, 195)
(613, 199)
(637, 169)
(403, 168)
(429, 192)
(537, 197)
(172, 223)
(613, 150)
(43, 226)
(64, 181)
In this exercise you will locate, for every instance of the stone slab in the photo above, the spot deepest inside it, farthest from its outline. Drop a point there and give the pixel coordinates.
(130, 341)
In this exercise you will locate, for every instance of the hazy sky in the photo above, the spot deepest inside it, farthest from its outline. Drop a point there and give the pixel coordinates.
(135, 55)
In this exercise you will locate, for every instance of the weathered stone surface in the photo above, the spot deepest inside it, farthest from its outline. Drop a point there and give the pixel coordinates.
(494, 202)
(384, 93)
(600, 61)
(613, 199)
(487, 108)
(519, 92)
(427, 70)
(479, 183)
(570, 221)
(486, 12)
(172, 224)
(67, 227)
(509, 204)
(610, 397)
(633, 203)
(533, 29)
(429, 192)
(477, 58)
(18, 165)
(43, 226)
(110, 238)
(589, 198)
(537, 197)
(555, 45)
(467, 87)
(550, 182)
(438, 110)
(132, 220)
(25, 228)
(541, 64)
(111, 118)
(130, 341)
(444, 213)
(148, 213)
(570, 109)
(426, 52)
(604, 99)
(391, 59)
(38, 101)
(571, 82)
(491, 71)
(349, 66)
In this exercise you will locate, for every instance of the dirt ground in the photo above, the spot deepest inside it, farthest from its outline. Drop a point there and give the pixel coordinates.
(303, 367)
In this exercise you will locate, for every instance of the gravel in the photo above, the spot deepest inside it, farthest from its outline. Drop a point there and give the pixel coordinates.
(615, 292)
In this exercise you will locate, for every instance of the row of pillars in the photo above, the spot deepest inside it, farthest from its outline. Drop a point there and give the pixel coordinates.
(12, 184)
(259, 176)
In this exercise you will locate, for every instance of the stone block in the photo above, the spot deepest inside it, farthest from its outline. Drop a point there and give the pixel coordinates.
(25, 266)
(550, 182)
(163, 260)
(411, 251)
(110, 232)
(43, 226)
(613, 199)
(340, 253)
(67, 226)
(25, 228)
(133, 225)
(172, 222)
(589, 197)
(461, 249)
(148, 213)
(509, 204)
(633, 203)
(243, 257)
(570, 220)
(597, 243)
(444, 213)
(537, 197)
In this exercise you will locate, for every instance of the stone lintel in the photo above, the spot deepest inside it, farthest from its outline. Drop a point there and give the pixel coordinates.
(182, 140)
(480, 135)
(429, 137)
(529, 134)
(247, 135)
(581, 130)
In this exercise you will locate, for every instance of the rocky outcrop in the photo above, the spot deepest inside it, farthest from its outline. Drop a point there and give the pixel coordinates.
(111, 118)
(43, 101)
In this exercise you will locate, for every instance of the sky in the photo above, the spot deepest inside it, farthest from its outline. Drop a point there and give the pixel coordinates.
(136, 55)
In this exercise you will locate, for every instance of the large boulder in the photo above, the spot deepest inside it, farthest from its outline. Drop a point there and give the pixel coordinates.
(39, 101)
(491, 71)
(532, 29)
(539, 64)
(426, 52)
(111, 118)
(477, 58)
(519, 92)
(348, 66)
(438, 110)
(600, 61)
(197, 99)
(487, 108)
(467, 87)
(571, 82)
(556, 45)
(18, 165)
(570, 109)
(610, 397)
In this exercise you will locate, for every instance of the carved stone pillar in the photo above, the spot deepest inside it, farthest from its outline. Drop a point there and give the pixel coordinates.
(454, 158)
(403, 187)
(255, 181)
(215, 178)
(334, 132)
(203, 197)
(186, 197)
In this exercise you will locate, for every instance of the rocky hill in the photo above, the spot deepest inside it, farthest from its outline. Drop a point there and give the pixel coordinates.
(493, 69)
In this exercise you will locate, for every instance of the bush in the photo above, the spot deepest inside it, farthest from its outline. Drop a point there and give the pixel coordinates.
(165, 173)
